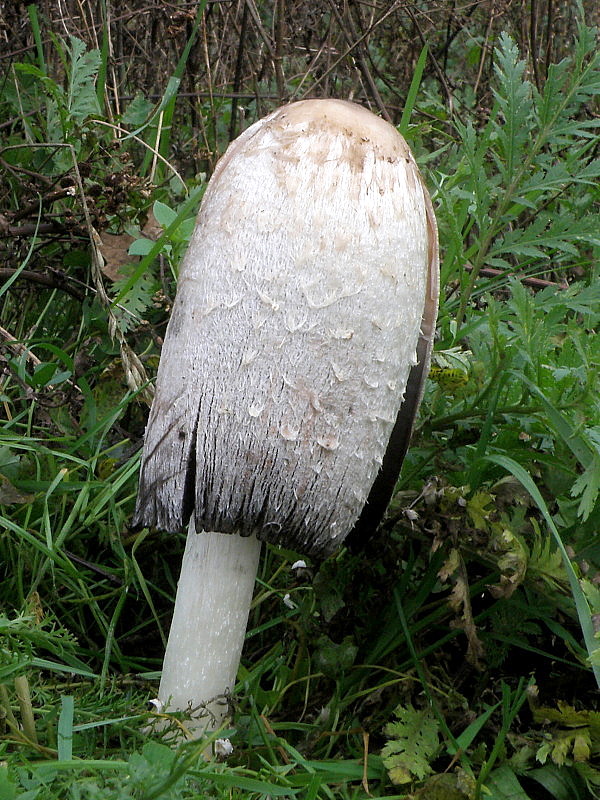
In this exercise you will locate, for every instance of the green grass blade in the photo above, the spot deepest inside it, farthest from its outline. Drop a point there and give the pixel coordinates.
(110, 642)
(37, 36)
(232, 779)
(65, 728)
(104, 53)
(169, 109)
(413, 90)
(144, 586)
(581, 604)
(576, 444)
(504, 785)
(466, 738)
(169, 99)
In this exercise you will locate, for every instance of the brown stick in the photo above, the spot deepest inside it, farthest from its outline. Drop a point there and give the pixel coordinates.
(349, 49)
(278, 58)
(534, 283)
(363, 64)
(29, 228)
(237, 80)
(53, 280)
(50, 197)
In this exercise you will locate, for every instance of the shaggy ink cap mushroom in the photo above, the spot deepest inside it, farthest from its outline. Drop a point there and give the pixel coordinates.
(291, 370)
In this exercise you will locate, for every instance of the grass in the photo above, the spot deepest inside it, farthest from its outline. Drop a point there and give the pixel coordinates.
(454, 655)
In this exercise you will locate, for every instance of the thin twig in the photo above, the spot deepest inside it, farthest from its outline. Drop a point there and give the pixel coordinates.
(278, 58)
(347, 52)
(364, 68)
(526, 280)
(365, 777)
(53, 280)
(144, 144)
(260, 27)
(24, 700)
(436, 66)
(30, 229)
(14, 168)
(237, 79)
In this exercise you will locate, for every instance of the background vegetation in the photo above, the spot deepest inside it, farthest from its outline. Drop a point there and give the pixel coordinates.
(455, 654)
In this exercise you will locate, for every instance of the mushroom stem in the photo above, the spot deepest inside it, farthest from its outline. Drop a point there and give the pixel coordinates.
(209, 625)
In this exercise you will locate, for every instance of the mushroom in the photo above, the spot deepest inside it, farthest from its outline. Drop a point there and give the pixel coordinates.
(291, 371)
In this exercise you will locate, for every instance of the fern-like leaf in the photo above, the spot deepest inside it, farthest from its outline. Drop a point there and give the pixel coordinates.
(514, 99)
(413, 744)
(587, 487)
(134, 304)
(81, 95)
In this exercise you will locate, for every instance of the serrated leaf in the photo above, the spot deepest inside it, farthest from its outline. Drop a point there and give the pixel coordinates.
(592, 592)
(587, 486)
(134, 304)
(514, 99)
(81, 98)
(399, 775)
(413, 743)
(545, 559)
(560, 750)
(547, 234)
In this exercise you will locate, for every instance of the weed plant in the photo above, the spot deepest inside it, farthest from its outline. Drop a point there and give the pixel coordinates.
(455, 654)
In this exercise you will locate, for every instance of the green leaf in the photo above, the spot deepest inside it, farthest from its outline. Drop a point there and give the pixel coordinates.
(165, 216)
(587, 486)
(141, 247)
(157, 246)
(334, 659)
(559, 783)
(502, 784)
(138, 111)
(413, 743)
(8, 790)
(81, 98)
(413, 91)
(514, 98)
(134, 304)
(65, 728)
(581, 604)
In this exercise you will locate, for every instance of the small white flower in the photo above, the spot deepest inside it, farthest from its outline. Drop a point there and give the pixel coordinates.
(223, 748)
(287, 601)
(155, 705)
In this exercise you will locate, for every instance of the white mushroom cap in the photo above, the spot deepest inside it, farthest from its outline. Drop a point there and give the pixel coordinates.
(309, 285)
